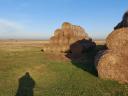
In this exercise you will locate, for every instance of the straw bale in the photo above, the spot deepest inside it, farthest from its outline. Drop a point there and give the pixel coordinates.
(118, 39)
(124, 22)
(113, 66)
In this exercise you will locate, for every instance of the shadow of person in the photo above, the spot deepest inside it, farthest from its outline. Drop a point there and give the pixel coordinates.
(26, 85)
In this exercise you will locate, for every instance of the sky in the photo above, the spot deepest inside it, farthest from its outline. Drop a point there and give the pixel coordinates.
(37, 19)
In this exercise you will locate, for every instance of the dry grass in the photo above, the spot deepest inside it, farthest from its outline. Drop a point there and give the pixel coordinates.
(100, 42)
(54, 76)
(23, 42)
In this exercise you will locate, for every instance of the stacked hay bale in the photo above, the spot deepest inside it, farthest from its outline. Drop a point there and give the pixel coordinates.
(113, 62)
(67, 35)
(81, 46)
(118, 39)
(124, 22)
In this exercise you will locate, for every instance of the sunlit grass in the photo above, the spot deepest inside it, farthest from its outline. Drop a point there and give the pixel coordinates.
(52, 77)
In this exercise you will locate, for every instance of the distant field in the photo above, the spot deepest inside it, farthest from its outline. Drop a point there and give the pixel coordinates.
(34, 42)
(100, 42)
(54, 75)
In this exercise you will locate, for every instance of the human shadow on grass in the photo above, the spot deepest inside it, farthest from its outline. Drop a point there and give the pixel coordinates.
(26, 85)
(86, 59)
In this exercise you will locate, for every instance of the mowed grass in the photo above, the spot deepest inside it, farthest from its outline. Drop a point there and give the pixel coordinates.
(53, 77)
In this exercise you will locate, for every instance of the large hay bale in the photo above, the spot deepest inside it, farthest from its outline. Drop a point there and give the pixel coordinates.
(80, 46)
(54, 40)
(124, 22)
(63, 41)
(118, 39)
(64, 48)
(66, 25)
(72, 40)
(68, 33)
(98, 56)
(57, 32)
(66, 36)
(113, 66)
(124, 51)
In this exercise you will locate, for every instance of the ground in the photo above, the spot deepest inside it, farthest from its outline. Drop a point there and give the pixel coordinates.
(53, 74)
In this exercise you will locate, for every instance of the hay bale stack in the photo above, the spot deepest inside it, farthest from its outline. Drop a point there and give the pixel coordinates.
(66, 25)
(113, 62)
(67, 35)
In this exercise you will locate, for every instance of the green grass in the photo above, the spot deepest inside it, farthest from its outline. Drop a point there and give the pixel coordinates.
(52, 77)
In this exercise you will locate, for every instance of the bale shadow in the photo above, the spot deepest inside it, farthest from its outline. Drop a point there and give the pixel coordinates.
(85, 61)
(26, 85)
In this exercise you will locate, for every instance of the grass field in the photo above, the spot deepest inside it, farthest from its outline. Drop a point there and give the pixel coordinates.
(54, 75)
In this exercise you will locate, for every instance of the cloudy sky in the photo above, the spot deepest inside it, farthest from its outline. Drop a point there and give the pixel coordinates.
(37, 19)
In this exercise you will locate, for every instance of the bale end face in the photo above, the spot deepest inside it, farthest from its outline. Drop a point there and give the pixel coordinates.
(66, 25)
(117, 39)
(113, 66)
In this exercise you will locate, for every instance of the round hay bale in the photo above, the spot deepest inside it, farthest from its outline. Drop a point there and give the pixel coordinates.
(87, 44)
(64, 48)
(124, 22)
(118, 39)
(125, 16)
(54, 40)
(72, 40)
(66, 25)
(68, 32)
(63, 41)
(61, 34)
(57, 31)
(98, 56)
(124, 51)
(113, 66)
(44, 49)
(58, 48)
(76, 49)
(74, 27)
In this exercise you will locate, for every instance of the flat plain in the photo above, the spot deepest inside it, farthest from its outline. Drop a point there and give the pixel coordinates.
(53, 74)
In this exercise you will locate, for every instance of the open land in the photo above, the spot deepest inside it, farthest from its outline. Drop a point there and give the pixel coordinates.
(54, 74)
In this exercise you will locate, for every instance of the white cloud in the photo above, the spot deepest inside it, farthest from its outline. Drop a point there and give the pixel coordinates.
(13, 30)
(9, 29)
(9, 26)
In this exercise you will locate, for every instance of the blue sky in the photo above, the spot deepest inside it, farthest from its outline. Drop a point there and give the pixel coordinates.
(37, 19)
